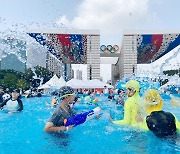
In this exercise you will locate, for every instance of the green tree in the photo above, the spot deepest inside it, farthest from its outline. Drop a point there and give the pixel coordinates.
(14, 79)
(1, 75)
(29, 74)
(10, 81)
(23, 84)
(44, 73)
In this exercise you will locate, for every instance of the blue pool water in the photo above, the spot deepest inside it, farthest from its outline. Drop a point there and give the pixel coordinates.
(23, 132)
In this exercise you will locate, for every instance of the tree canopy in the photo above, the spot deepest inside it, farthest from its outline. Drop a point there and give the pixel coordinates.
(31, 78)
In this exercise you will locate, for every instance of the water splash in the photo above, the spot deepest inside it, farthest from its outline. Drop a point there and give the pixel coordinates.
(167, 60)
(175, 101)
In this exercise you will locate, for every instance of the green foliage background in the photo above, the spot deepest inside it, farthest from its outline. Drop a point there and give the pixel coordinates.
(14, 80)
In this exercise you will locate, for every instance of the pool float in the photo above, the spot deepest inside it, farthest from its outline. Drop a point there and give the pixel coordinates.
(6, 96)
(82, 117)
(153, 101)
(87, 100)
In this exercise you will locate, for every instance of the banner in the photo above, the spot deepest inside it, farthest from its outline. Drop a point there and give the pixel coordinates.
(68, 48)
(154, 46)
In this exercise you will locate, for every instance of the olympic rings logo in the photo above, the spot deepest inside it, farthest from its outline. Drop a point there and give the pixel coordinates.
(109, 48)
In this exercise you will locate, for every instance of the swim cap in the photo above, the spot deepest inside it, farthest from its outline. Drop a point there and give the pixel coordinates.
(161, 123)
(132, 84)
(65, 91)
(153, 101)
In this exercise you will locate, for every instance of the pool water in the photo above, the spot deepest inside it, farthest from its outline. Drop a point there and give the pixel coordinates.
(23, 132)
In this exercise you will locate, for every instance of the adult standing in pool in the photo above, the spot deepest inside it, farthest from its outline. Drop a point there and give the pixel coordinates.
(63, 111)
(132, 104)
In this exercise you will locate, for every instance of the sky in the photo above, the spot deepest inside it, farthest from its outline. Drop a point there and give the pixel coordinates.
(110, 17)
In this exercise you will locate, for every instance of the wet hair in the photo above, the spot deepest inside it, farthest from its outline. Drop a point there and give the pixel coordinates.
(161, 123)
(89, 93)
(120, 91)
(16, 90)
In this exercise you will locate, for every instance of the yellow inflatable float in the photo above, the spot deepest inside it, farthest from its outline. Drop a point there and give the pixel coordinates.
(153, 101)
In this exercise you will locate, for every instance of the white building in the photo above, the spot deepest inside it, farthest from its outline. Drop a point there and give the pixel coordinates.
(79, 74)
(143, 47)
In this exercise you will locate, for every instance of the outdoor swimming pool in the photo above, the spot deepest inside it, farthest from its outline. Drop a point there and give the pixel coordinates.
(23, 132)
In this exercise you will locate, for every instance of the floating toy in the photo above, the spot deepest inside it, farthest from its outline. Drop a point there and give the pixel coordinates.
(153, 101)
(82, 117)
(6, 96)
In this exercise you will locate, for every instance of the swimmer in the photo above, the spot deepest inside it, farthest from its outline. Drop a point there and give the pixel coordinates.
(54, 101)
(120, 98)
(14, 104)
(111, 95)
(89, 99)
(63, 111)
